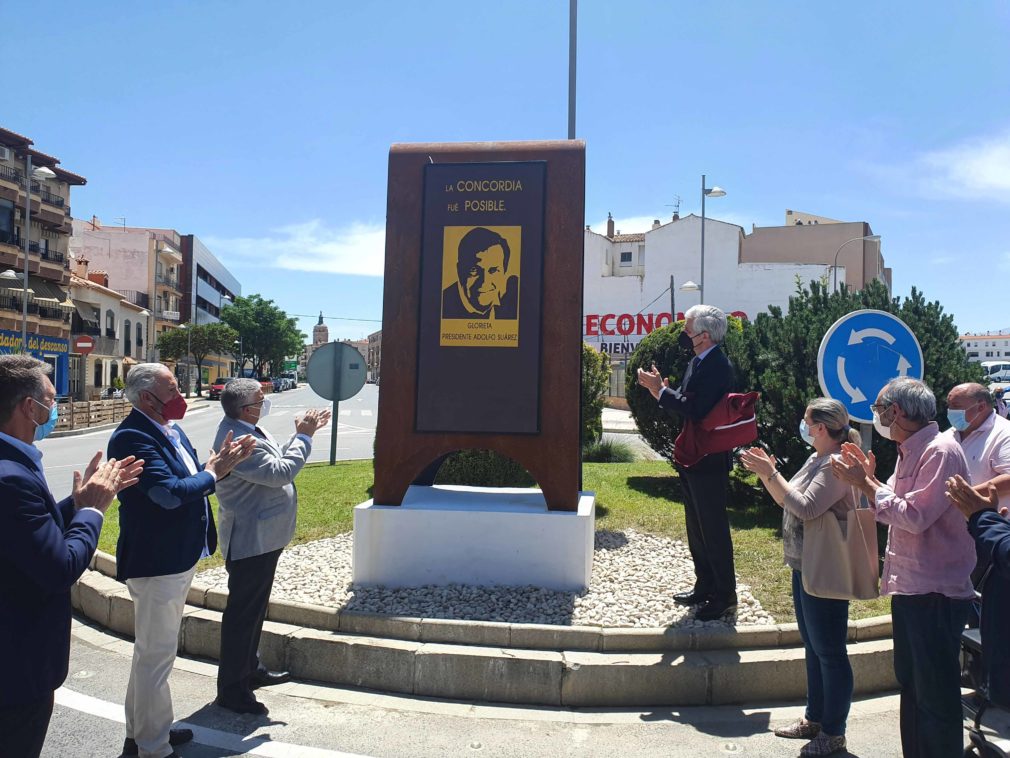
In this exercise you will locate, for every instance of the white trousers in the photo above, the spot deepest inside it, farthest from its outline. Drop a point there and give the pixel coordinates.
(158, 603)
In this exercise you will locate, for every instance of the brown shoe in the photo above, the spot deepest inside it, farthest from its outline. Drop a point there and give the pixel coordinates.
(824, 744)
(800, 729)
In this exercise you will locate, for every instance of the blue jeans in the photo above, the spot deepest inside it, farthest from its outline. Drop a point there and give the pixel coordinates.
(927, 648)
(824, 627)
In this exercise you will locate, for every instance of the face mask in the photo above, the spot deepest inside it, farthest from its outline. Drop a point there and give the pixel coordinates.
(685, 341)
(43, 430)
(805, 433)
(883, 431)
(958, 419)
(174, 409)
(265, 408)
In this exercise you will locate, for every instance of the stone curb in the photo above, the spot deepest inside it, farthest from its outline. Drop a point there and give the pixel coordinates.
(520, 636)
(511, 663)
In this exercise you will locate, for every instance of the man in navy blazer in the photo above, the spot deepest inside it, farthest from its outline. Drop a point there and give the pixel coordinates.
(45, 546)
(708, 378)
(165, 527)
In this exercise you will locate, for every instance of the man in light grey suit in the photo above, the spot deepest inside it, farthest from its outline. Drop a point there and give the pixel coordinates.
(256, 519)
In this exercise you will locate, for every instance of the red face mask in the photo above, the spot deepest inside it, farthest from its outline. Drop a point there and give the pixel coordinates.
(174, 409)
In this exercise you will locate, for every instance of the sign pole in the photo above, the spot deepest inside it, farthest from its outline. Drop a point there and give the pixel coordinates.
(336, 407)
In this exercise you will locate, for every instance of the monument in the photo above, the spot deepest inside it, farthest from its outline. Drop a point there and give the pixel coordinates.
(481, 349)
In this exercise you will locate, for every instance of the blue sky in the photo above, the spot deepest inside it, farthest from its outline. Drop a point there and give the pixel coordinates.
(264, 128)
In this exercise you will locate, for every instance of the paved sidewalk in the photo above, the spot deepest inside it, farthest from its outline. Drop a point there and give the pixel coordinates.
(308, 720)
(616, 420)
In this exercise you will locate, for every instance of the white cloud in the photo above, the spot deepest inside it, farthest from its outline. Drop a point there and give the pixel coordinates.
(974, 168)
(310, 246)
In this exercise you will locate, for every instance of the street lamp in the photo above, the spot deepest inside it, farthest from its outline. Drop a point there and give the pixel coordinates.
(41, 173)
(834, 266)
(706, 192)
(687, 286)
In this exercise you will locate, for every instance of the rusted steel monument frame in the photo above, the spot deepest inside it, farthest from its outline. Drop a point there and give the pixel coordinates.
(404, 456)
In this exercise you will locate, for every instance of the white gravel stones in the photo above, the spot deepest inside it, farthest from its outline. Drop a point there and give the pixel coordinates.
(634, 578)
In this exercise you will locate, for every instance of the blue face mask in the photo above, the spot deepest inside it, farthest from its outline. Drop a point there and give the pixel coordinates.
(42, 430)
(805, 433)
(958, 419)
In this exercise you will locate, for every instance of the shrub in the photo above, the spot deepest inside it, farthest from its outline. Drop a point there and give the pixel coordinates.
(595, 383)
(608, 451)
(483, 468)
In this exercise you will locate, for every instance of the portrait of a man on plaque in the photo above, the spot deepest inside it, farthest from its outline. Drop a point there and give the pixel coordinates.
(480, 286)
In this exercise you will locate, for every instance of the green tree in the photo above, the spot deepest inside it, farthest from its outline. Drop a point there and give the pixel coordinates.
(595, 383)
(781, 359)
(660, 347)
(268, 333)
(197, 341)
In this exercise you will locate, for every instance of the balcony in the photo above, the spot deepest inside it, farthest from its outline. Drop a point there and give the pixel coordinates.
(52, 313)
(52, 256)
(12, 303)
(138, 298)
(10, 174)
(166, 315)
(167, 281)
(51, 198)
(106, 346)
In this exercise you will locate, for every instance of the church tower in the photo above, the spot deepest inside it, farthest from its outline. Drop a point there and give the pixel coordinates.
(320, 333)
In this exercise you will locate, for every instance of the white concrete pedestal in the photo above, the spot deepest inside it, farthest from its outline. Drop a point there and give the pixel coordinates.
(474, 535)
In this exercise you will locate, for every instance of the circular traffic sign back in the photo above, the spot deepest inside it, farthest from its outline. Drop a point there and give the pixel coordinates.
(862, 352)
(336, 371)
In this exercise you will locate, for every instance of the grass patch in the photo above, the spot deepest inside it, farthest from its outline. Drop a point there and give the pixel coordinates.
(644, 495)
(608, 451)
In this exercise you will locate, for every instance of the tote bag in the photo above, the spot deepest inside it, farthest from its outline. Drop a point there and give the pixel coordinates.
(841, 564)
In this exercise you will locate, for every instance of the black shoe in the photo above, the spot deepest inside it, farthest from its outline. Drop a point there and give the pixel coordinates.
(265, 677)
(691, 598)
(252, 705)
(715, 609)
(175, 737)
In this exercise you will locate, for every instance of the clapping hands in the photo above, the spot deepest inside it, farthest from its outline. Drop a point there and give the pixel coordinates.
(101, 482)
(231, 453)
(313, 420)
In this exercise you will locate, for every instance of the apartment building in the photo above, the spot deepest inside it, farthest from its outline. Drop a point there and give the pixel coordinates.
(108, 333)
(47, 229)
(144, 264)
(207, 288)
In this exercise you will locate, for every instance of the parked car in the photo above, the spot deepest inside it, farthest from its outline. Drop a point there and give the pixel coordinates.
(217, 387)
(292, 379)
(279, 383)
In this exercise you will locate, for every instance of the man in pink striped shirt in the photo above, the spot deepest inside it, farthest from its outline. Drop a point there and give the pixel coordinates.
(928, 563)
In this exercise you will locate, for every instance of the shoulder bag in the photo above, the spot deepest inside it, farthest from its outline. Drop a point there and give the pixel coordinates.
(841, 564)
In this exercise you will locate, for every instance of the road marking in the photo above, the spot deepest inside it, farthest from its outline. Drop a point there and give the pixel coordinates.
(366, 413)
(345, 413)
(260, 745)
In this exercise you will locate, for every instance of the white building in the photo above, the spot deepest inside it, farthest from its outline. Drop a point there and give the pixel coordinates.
(991, 346)
(627, 279)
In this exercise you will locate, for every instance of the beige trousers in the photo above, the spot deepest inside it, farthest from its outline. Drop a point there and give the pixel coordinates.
(158, 603)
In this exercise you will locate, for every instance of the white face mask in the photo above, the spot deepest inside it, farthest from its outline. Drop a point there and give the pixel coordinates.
(883, 431)
(265, 408)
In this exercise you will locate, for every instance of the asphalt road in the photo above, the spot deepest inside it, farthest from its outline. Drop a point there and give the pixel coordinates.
(355, 432)
(313, 721)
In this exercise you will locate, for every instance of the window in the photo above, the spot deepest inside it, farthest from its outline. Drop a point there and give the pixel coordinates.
(126, 337)
(626, 258)
(98, 373)
(140, 338)
(110, 324)
(641, 255)
(6, 221)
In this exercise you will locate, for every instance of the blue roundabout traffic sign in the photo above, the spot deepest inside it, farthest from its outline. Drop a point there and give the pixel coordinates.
(862, 352)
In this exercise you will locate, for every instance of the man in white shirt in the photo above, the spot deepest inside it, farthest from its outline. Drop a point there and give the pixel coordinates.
(983, 435)
(165, 527)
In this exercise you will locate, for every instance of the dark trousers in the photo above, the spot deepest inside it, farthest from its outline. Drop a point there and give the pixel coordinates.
(824, 628)
(24, 728)
(927, 644)
(706, 491)
(249, 583)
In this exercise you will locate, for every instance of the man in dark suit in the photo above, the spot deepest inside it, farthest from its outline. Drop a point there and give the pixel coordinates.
(708, 378)
(45, 546)
(165, 527)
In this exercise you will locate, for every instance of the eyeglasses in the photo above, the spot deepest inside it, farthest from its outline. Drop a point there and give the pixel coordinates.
(880, 407)
(250, 405)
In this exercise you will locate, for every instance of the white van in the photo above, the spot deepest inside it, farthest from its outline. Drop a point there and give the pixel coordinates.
(996, 371)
